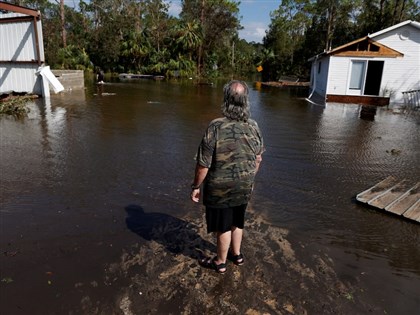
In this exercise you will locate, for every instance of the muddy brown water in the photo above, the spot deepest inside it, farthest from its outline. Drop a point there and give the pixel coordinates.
(95, 215)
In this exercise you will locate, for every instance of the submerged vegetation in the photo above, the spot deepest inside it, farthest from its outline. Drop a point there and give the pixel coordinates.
(141, 36)
(15, 105)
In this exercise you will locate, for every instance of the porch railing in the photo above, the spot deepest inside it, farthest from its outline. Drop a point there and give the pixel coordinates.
(412, 99)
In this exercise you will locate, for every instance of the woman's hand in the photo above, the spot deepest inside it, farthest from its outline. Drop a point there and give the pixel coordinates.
(195, 195)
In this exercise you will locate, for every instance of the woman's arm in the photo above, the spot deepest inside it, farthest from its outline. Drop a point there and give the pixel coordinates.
(257, 163)
(200, 175)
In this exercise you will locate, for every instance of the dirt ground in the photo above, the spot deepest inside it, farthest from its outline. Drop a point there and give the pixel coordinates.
(165, 278)
(157, 272)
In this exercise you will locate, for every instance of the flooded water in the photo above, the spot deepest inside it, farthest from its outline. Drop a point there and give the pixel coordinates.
(71, 167)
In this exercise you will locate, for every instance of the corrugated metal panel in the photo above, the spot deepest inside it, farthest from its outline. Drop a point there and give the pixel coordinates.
(18, 43)
(20, 78)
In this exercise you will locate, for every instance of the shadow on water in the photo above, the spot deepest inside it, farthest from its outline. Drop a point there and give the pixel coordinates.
(176, 235)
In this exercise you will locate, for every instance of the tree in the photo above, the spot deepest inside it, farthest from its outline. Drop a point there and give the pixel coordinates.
(285, 36)
(376, 15)
(112, 21)
(219, 23)
(157, 30)
(188, 37)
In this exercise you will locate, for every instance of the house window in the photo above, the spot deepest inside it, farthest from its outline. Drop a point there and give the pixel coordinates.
(357, 74)
(319, 66)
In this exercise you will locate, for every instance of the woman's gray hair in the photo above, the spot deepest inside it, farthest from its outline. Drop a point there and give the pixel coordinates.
(235, 101)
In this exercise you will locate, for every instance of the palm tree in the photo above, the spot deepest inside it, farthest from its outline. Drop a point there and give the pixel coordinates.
(189, 37)
(134, 49)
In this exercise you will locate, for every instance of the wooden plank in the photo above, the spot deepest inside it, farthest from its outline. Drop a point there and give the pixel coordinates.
(402, 204)
(395, 196)
(377, 190)
(414, 212)
(390, 195)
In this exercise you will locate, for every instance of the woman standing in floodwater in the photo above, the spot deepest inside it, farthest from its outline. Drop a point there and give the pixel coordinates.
(228, 159)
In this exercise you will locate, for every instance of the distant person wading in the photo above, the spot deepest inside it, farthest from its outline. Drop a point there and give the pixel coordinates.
(228, 159)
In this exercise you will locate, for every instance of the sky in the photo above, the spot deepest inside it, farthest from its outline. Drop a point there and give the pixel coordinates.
(255, 16)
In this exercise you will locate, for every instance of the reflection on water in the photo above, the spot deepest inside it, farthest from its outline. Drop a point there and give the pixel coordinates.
(87, 153)
(367, 112)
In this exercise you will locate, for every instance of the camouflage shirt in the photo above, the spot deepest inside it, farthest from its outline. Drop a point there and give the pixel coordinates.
(229, 149)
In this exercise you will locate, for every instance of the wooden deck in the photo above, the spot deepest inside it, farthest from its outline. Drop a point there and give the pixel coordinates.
(399, 197)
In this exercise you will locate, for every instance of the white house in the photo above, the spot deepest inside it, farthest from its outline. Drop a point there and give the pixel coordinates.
(375, 69)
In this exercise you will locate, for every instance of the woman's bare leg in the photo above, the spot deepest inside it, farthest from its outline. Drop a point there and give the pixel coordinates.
(237, 234)
(223, 243)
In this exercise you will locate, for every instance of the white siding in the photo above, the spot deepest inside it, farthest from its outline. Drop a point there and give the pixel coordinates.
(20, 78)
(17, 40)
(401, 74)
(338, 75)
(18, 43)
(320, 80)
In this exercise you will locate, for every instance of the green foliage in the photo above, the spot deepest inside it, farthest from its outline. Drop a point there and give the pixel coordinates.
(188, 37)
(218, 23)
(181, 67)
(72, 57)
(379, 14)
(139, 36)
(15, 105)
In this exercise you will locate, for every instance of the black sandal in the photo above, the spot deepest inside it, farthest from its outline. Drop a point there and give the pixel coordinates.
(211, 264)
(237, 259)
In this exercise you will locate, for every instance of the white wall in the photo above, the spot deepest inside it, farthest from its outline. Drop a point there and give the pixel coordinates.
(18, 43)
(338, 75)
(20, 78)
(340, 70)
(320, 80)
(401, 74)
(17, 40)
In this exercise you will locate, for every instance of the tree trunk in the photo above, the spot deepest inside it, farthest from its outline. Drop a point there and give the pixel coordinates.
(381, 14)
(330, 27)
(63, 24)
(400, 17)
(200, 48)
(394, 14)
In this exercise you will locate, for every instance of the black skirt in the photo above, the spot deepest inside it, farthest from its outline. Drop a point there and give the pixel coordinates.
(224, 219)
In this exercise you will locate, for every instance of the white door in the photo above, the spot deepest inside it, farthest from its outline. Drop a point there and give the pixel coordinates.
(357, 77)
(365, 77)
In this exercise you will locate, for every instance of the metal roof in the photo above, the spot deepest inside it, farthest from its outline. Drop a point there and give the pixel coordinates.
(408, 22)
